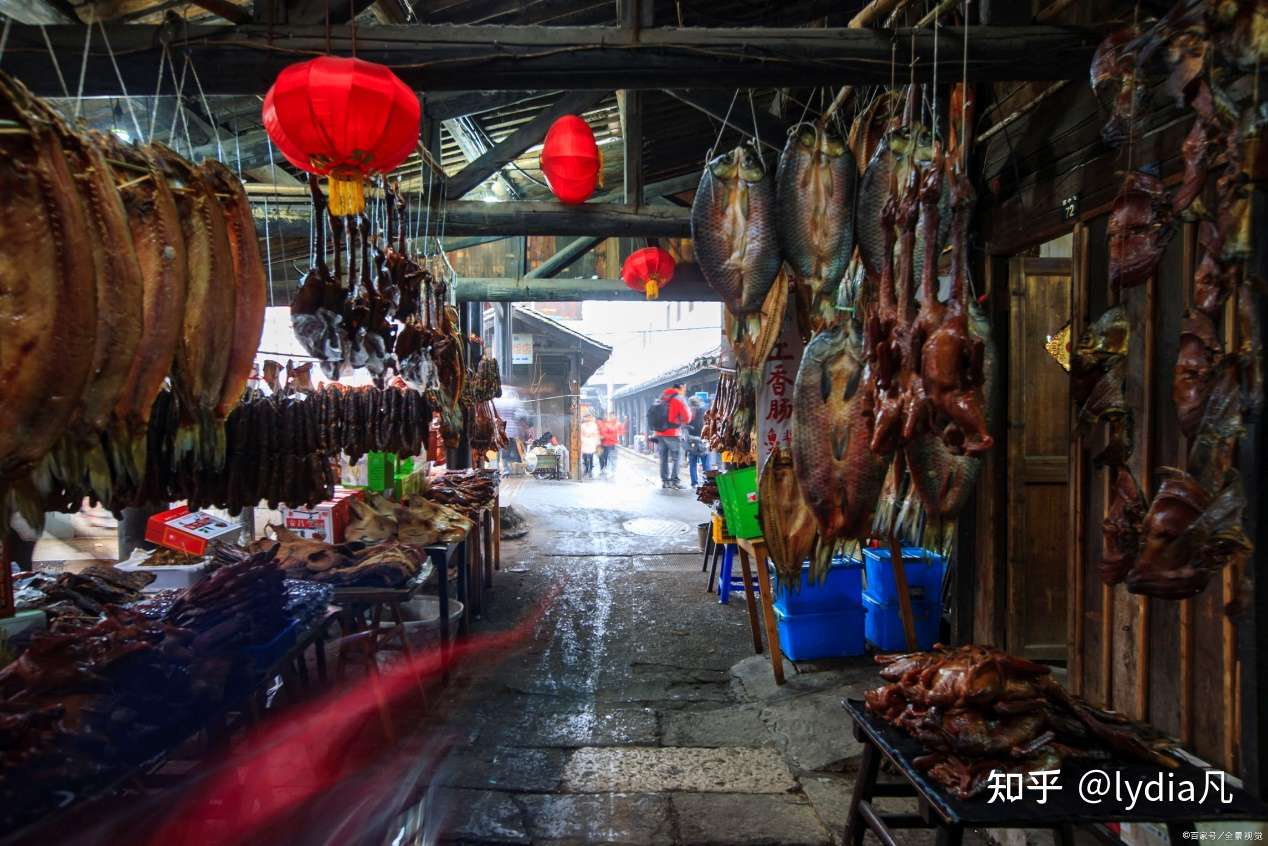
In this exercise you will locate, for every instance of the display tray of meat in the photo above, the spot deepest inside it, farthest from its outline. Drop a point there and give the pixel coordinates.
(976, 710)
(387, 564)
(84, 595)
(463, 489)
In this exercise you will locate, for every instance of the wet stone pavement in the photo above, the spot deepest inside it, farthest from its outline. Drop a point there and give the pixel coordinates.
(636, 711)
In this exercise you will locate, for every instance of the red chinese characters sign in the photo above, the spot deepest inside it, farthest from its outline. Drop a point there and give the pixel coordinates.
(775, 394)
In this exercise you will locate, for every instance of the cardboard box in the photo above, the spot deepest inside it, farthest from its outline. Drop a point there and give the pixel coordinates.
(188, 531)
(327, 522)
(172, 577)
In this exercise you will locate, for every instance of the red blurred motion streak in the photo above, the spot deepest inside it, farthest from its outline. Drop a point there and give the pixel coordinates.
(286, 763)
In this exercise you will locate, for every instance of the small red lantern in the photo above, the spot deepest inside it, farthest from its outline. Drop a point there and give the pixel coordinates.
(648, 270)
(570, 160)
(342, 118)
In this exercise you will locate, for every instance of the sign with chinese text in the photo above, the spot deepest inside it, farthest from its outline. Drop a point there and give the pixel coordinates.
(775, 393)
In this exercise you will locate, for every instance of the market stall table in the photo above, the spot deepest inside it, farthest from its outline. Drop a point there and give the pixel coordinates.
(356, 602)
(1060, 812)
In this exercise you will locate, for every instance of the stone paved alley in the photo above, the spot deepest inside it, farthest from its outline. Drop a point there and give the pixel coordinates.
(637, 713)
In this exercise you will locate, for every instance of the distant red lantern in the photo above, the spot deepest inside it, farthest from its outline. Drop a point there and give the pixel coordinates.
(648, 270)
(571, 160)
(342, 118)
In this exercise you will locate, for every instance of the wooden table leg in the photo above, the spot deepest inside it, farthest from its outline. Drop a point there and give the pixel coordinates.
(747, 569)
(464, 622)
(864, 785)
(497, 534)
(473, 571)
(768, 611)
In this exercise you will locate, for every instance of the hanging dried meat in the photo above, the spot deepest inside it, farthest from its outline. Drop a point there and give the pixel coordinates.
(815, 196)
(788, 525)
(733, 228)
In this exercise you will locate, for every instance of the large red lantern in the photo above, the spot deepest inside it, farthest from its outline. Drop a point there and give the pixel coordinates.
(342, 118)
(648, 270)
(571, 160)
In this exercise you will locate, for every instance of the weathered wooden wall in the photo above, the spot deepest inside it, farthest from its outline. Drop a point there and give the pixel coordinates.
(1185, 667)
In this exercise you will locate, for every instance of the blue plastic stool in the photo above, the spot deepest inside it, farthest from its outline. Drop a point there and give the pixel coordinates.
(729, 581)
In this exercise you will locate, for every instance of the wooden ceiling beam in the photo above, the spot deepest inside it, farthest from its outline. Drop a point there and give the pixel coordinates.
(514, 145)
(240, 61)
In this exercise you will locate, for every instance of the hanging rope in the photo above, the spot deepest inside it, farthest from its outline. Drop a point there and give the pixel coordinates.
(52, 55)
(237, 149)
(179, 113)
(105, 39)
(83, 62)
(220, 151)
(937, 133)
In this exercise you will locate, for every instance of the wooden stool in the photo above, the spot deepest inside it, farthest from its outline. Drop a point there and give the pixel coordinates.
(754, 550)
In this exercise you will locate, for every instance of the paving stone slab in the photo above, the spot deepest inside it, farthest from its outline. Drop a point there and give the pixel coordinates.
(485, 816)
(504, 768)
(830, 798)
(813, 731)
(614, 818)
(756, 682)
(739, 725)
(654, 770)
(741, 819)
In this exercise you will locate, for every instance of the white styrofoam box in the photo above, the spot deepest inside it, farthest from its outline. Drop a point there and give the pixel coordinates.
(173, 577)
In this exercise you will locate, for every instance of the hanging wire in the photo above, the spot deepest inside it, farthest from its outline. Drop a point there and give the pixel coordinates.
(721, 131)
(158, 90)
(179, 112)
(937, 133)
(757, 138)
(220, 151)
(52, 55)
(4, 35)
(83, 62)
(268, 239)
(136, 125)
(237, 148)
(1131, 118)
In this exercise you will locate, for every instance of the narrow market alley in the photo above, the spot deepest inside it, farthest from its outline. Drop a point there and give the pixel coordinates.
(637, 713)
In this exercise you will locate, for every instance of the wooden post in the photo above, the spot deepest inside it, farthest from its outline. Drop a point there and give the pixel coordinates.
(904, 596)
(758, 549)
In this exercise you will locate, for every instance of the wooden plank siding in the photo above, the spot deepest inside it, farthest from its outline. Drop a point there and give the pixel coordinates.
(1184, 667)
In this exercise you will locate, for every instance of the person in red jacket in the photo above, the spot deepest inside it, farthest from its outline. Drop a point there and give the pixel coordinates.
(669, 439)
(610, 432)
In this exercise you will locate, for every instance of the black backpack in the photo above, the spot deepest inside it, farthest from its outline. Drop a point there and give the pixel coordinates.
(658, 416)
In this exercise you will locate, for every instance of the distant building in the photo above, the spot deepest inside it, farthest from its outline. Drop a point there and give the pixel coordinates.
(700, 375)
(550, 362)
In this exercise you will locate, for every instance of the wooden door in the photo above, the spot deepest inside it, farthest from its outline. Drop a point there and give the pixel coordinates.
(1038, 460)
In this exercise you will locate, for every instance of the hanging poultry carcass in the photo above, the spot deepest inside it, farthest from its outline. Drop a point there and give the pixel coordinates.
(316, 310)
(816, 182)
(734, 232)
(1140, 226)
(48, 301)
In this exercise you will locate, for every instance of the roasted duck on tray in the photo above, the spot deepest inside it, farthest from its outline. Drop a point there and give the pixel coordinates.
(978, 710)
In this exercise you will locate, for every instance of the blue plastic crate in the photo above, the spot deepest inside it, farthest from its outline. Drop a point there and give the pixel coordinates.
(841, 587)
(884, 626)
(831, 634)
(924, 574)
(264, 655)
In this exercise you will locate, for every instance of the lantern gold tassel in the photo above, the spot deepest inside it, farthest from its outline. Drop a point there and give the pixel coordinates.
(652, 288)
(347, 195)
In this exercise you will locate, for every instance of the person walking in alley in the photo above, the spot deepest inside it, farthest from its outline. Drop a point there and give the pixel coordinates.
(664, 418)
(589, 444)
(610, 432)
(697, 450)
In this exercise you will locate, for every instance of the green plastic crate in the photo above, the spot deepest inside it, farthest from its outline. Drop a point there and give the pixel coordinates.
(380, 470)
(738, 489)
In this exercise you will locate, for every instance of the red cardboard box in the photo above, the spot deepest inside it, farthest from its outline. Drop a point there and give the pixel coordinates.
(326, 522)
(188, 531)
